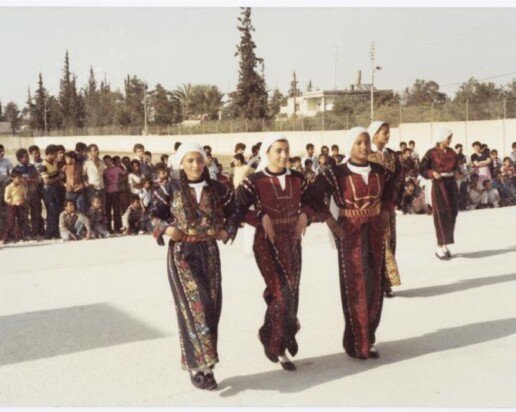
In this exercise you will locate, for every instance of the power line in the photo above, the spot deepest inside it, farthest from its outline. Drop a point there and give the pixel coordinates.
(498, 76)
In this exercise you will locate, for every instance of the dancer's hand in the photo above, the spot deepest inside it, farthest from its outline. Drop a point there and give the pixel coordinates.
(222, 235)
(335, 228)
(175, 234)
(268, 228)
(436, 175)
(302, 221)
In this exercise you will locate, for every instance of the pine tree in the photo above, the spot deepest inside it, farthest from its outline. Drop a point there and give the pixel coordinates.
(91, 102)
(40, 105)
(12, 115)
(163, 106)
(250, 98)
(30, 110)
(66, 96)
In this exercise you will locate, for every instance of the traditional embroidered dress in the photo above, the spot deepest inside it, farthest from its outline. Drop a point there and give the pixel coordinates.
(199, 210)
(281, 197)
(388, 159)
(360, 193)
(444, 191)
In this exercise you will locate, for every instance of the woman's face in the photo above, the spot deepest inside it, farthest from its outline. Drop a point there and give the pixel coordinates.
(278, 155)
(193, 164)
(383, 135)
(361, 148)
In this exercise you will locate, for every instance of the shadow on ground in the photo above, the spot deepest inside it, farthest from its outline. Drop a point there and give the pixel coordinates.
(459, 286)
(319, 370)
(49, 333)
(486, 253)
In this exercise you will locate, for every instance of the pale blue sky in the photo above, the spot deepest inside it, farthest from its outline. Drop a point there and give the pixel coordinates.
(180, 45)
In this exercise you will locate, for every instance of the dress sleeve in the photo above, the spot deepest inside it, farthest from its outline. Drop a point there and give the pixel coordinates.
(160, 216)
(246, 197)
(229, 205)
(426, 166)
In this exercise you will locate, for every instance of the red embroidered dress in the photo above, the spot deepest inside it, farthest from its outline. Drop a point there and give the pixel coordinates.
(444, 191)
(279, 263)
(361, 252)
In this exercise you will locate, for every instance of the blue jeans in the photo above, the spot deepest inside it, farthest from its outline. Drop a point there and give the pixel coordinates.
(51, 199)
(80, 200)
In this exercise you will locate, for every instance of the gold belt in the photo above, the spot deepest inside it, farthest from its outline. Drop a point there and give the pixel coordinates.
(284, 220)
(369, 212)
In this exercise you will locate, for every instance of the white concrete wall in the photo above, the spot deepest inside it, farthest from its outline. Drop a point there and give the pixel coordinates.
(491, 132)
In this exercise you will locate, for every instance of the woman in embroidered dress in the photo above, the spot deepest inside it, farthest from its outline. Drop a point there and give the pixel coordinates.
(440, 166)
(195, 212)
(280, 218)
(359, 190)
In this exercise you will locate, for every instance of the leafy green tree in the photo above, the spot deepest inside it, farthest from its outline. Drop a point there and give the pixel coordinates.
(423, 93)
(12, 115)
(276, 101)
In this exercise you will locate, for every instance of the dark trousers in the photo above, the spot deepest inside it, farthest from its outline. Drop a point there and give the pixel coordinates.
(113, 210)
(51, 199)
(14, 222)
(33, 208)
(80, 200)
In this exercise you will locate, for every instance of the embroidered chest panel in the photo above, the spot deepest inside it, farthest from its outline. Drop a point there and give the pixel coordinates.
(444, 161)
(358, 195)
(278, 202)
(206, 218)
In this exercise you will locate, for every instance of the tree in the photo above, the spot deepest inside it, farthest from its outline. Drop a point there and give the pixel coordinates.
(12, 115)
(250, 98)
(40, 108)
(163, 105)
(29, 110)
(91, 102)
(423, 93)
(484, 99)
(66, 95)
(309, 86)
(1, 113)
(132, 113)
(294, 91)
(277, 100)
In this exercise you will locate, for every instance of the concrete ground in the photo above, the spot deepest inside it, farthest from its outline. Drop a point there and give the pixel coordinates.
(92, 323)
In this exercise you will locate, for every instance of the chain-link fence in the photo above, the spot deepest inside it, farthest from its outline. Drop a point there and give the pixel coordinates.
(394, 114)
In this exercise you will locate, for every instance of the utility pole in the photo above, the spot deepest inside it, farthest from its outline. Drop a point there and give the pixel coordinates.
(372, 53)
(145, 109)
(335, 69)
(45, 110)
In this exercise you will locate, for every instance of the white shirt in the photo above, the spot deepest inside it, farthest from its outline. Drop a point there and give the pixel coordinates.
(198, 189)
(94, 173)
(314, 159)
(363, 171)
(132, 180)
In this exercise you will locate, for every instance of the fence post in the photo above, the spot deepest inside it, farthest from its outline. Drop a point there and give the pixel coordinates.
(322, 122)
(281, 124)
(202, 127)
(504, 118)
(263, 124)
(347, 121)
(466, 124)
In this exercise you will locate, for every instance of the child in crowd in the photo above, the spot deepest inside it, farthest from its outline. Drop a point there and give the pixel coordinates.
(475, 191)
(135, 177)
(72, 175)
(309, 171)
(146, 199)
(507, 168)
(408, 198)
(97, 217)
(112, 177)
(296, 164)
(222, 177)
(93, 171)
(15, 197)
(490, 196)
(132, 218)
(139, 151)
(73, 225)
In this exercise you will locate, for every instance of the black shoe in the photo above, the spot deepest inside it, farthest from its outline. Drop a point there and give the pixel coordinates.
(288, 366)
(448, 254)
(373, 353)
(198, 380)
(209, 382)
(389, 294)
(442, 257)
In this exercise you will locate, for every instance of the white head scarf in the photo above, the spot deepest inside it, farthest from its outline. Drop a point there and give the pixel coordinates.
(187, 148)
(375, 127)
(350, 138)
(264, 148)
(441, 133)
